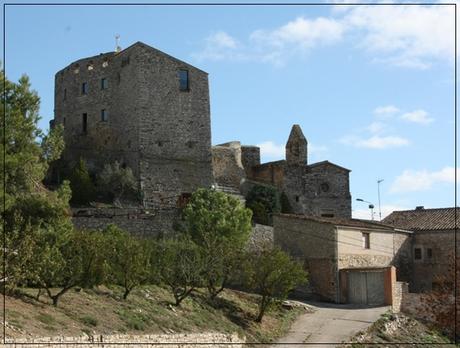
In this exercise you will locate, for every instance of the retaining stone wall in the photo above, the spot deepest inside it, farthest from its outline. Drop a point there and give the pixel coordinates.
(192, 340)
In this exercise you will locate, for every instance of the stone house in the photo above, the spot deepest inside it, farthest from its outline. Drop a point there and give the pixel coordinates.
(145, 109)
(348, 260)
(319, 189)
(432, 244)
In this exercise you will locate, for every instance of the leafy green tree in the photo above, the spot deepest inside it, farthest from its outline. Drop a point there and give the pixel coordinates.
(264, 201)
(272, 274)
(128, 259)
(29, 207)
(117, 181)
(61, 256)
(179, 265)
(220, 225)
(83, 189)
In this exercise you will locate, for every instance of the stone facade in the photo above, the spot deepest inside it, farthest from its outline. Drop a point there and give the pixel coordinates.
(327, 246)
(137, 221)
(192, 340)
(132, 107)
(319, 189)
(428, 271)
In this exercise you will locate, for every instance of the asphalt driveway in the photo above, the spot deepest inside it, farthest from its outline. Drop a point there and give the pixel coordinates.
(330, 323)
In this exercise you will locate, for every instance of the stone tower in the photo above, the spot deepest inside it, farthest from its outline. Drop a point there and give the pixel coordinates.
(296, 147)
(145, 109)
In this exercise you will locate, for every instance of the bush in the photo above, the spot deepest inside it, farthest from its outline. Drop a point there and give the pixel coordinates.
(179, 265)
(128, 259)
(117, 181)
(264, 201)
(220, 225)
(83, 189)
(272, 274)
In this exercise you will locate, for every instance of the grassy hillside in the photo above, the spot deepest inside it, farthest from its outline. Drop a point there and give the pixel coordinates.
(399, 328)
(147, 310)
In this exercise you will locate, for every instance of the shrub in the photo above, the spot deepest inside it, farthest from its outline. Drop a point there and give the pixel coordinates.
(264, 201)
(83, 189)
(272, 274)
(220, 225)
(117, 181)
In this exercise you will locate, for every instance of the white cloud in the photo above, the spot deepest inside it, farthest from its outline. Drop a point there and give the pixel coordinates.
(272, 150)
(386, 209)
(301, 32)
(375, 142)
(417, 116)
(219, 46)
(385, 111)
(376, 127)
(413, 181)
(410, 36)
(404, 36)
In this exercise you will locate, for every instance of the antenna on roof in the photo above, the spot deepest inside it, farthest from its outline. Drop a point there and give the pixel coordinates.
(117, 46)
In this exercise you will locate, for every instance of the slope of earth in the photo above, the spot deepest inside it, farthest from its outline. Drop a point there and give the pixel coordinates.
(398, 330)
(147, 310)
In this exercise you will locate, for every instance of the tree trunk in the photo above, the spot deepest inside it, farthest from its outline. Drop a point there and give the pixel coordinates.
(262, 308)
(125, 295)
(38, 294)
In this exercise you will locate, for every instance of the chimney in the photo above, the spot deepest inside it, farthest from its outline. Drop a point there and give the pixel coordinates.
(420, 207)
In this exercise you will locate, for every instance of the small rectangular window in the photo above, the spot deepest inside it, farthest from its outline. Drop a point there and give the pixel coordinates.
(84, 88)
(84, 123)
(104, 115)
(104, 84)
(63, 121)
(183, 80)
(429, 253)
(417, 253)
(366, 240)
(65, 93)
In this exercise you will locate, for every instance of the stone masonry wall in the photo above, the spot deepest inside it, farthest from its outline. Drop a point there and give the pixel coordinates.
(190, 340)
(261, 236)
(161, 132)
(314, 244)
(104, 141)
(327, 190)
(174, 129)
(426, 271)
(250, 157)
(139, 222)
(226, 164)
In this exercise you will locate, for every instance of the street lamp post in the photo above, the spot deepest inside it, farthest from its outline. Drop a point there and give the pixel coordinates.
(378, 189)
(371, 207)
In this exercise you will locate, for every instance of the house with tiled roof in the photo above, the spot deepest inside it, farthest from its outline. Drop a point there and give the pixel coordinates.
(348, 260)
(433, 243)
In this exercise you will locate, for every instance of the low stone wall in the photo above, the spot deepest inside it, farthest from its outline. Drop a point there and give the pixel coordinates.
(192, 340)
(140, 222)
(261, 236)
(400, 289)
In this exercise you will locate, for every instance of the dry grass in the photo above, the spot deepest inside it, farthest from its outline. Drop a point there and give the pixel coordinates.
(147, 310)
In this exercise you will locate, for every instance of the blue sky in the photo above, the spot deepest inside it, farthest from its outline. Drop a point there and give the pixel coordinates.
(371, 87)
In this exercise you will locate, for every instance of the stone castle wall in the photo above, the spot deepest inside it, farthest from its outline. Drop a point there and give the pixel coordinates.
(139, 222)
(158, 130)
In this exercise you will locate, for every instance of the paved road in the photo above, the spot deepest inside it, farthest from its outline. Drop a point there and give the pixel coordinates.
(331, 323)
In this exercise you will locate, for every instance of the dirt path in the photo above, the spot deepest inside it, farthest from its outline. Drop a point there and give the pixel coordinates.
(331, 323)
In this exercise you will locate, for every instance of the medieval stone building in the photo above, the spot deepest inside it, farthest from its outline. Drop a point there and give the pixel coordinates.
(320, 189)
(143, 108)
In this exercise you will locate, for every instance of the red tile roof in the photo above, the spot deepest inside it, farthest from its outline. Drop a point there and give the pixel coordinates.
(423, 219)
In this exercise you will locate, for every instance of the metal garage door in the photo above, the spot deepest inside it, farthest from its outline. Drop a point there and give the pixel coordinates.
(366, 288)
